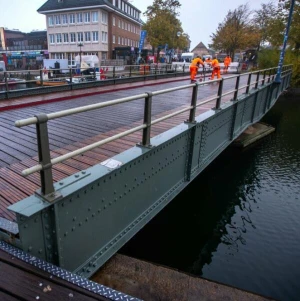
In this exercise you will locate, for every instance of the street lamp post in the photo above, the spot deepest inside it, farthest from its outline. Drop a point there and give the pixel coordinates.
(175, 42)
(80, 45)
(282, 53)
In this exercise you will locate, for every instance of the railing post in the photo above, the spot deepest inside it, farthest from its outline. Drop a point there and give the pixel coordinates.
(147, 120)
(41, 77)
(237, 85)
(114, 71)
(248, 83)
(71, 75)
(44, 155)
(193, 103)
(257, 79)
(6, 82)
(264, 78)
(71, 79)
(219, 97)
(269, 77)
(130, 70)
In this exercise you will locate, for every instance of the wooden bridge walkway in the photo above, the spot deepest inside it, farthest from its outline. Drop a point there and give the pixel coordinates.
(18, 147)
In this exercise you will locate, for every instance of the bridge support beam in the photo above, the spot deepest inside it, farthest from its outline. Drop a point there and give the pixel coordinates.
(101, 208)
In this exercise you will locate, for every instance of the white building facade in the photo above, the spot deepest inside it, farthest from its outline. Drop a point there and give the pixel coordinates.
(92, 27)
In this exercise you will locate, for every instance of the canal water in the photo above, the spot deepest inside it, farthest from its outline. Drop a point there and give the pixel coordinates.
(238, 223)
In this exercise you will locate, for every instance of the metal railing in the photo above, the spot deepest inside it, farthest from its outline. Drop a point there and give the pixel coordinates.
(41, 120)
(36, 80)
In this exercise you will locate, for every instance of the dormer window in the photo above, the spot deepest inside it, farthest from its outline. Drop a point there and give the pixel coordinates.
(60, 1)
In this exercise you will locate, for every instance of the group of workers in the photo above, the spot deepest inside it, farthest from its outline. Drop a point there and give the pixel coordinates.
(214, 63)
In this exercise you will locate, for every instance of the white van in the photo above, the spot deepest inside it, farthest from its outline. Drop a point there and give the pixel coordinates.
(187, 57)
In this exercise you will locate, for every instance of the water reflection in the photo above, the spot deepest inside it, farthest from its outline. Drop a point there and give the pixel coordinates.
(244, 230)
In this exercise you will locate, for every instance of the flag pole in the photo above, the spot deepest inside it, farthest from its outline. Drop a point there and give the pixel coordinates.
(282, 53)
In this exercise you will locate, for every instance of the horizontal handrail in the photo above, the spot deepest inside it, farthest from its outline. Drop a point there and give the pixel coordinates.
(64, 113)
(41, 120)
(39, 167)
(50, 116)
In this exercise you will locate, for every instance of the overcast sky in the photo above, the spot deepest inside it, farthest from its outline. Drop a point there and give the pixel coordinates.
(199, 18)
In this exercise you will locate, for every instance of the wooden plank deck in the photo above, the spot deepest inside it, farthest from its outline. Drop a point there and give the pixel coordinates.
(18, 149)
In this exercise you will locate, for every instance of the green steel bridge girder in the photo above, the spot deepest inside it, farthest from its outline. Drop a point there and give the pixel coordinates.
(103, 207)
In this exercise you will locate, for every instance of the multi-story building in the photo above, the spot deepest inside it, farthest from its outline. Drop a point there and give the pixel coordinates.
(90, 27)
(20, 50)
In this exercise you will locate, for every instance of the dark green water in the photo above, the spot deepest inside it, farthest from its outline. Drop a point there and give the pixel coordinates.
(239, 222)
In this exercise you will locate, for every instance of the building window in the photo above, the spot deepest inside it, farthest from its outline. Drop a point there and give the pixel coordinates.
(71, 18)
(104, 37)
(79, 36)
(104, 18)
(94, 16)
(57, 20)
(104, 55)
(50, 21)
(114, 21)
(64, 19)
(87, 36)
(119, 40)
(114, 39)
(87, 17)
(66, 38)
(51, 38)
(72, 37)
(114, 2)
(58, 38)
(95, 36)
(119, 23)
(79, 17)
(59, 56)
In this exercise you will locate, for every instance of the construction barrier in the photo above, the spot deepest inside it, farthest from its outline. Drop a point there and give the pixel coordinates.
(144, 69)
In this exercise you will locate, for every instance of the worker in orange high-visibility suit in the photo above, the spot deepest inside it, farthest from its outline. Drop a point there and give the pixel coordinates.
(194, 68)
(227, 62)
(216, 68)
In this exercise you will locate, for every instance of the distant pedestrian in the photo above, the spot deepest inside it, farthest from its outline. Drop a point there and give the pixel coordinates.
(215, 68)
(227, 62)
(195, 64)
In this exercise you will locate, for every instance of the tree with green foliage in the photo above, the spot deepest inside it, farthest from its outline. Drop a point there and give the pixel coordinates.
(262, 19)
(236, 32)
(163, 25)
(276, 30)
